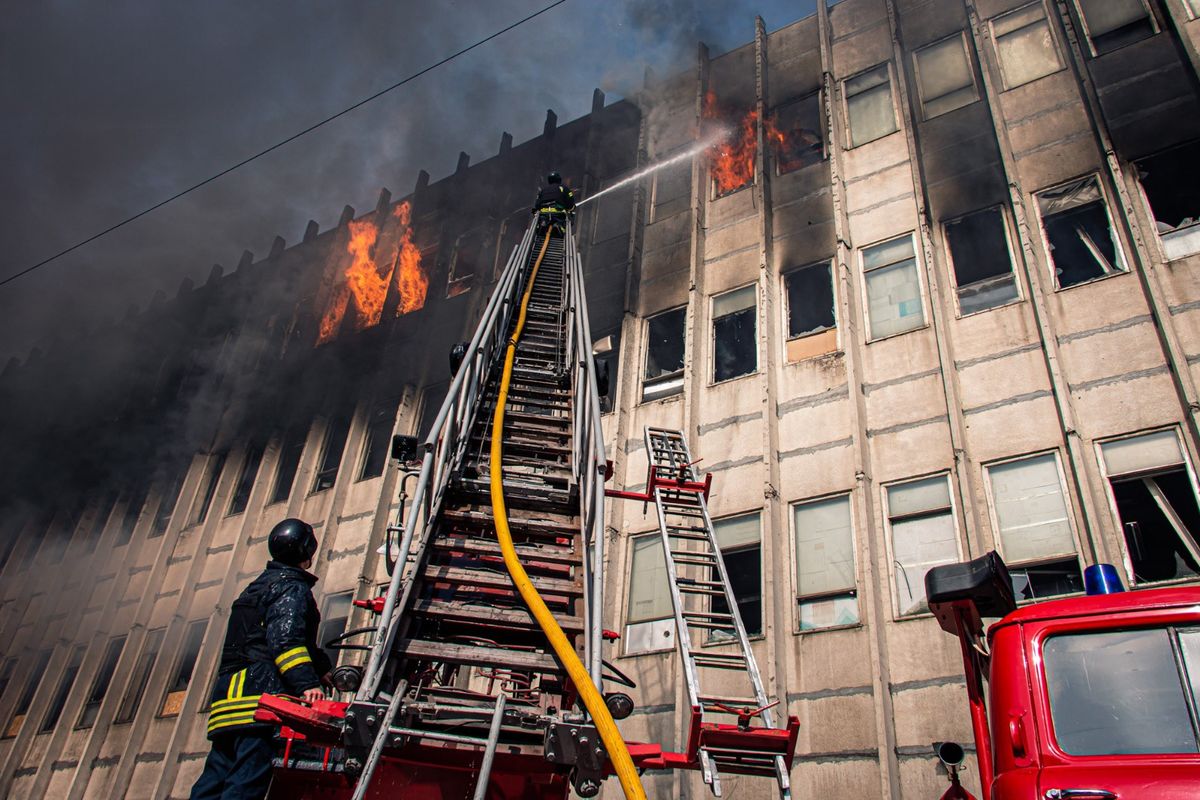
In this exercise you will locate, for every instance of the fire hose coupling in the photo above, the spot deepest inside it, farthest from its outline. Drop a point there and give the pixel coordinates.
(578, 745)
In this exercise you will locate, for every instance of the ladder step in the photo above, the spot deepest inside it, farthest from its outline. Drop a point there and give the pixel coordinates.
(706, 615)
(695, 560)
(495, 615)
(701, 583)
(462, 577)
(549, 554)
(454, 653)
(732, 702)
(718, 661)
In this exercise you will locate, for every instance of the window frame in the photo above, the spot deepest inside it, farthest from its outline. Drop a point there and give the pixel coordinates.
(795, 100)
(52, 715)
(1119, 238)
(797, 597)
(334, 419)
(97, 678)
(757, 514)
(661, 379)
(1110, 496)
(135, 689)
(1087, 33)
(1007, 226)
(669, 618)
(177, 664)
(1056, 45)
(712, 335)
(889, 537)
(845, 103)
(787, 310)
(916, 66)
(865, 296)
(382, 407)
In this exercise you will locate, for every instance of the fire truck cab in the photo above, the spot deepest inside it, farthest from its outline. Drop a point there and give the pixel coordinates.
(1090, 698)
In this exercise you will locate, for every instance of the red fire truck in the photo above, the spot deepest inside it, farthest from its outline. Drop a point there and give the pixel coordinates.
(1089, 698)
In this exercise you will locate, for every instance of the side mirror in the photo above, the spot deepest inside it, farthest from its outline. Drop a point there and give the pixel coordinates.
(404, 448)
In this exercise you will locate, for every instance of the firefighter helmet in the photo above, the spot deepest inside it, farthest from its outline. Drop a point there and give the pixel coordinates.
(292, 542)
(553, 178)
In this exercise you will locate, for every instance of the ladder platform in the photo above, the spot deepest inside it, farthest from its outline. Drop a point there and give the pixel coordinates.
(476, 655)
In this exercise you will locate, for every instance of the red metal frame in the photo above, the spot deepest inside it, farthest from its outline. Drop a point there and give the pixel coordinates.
(655, 480)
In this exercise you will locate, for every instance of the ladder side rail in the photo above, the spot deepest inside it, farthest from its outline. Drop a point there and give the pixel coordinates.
(682, 636)
(497, 314)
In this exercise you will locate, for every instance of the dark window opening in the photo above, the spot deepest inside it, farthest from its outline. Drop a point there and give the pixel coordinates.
(464, 263)
(1161, 523)
(141, 676)
(735, 334)
(795, 134)
(1112, 24)
(664, 355)
(290, 450)
(337, 430)
(1039, 581)
(246, 478)
(606, 366)
(334, 617)
(100, 521)
(744, 567)
(54, 712)
(135, 499)
(59, 536)
(982, 265)
(193, 637)
(17, 718)
(212, 478)
(100, 684)
(166, 504)
(1171, 181)
(1083, 245)
(6, 673)
(431, 405)
(809, 301)
(379, 440)
(672, 190)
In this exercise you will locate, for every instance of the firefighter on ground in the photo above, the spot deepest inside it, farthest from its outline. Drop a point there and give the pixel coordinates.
(555, 197)
(270, 647)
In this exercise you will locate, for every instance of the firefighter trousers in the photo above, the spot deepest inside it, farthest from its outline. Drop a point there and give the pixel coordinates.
(237, 768)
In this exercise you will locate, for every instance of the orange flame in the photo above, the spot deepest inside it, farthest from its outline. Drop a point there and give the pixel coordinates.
(731, 161)
(411, 280)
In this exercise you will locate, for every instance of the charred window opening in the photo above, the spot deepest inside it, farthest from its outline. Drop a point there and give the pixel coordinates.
(430, 406)
(1033, 527)
(59, 701)
(826, 589)
(731, 161)
(464, 263)
(664, 355)
(141, 677)
(1083, 245)
(32, 682)
(513, 229)
(379, 441)
(100, 521)
(166, 503)
(811, 318)
(290, 449)
(735, 334)
(921, 521)
(185, 667)
(246, 478)
(6, 674)
(1171, 181)
(893, 287)
(983, 271)
(334, 617)
(944, 76)
(672, 190)
(336, 432)
(100, 684)
(741, 550)
(1025, 46)
(60, 535)
(1112, 24)
(135, 500)
(212, 479)
(1156, 504)
(607, 364)
(795, 133)
(870, 114)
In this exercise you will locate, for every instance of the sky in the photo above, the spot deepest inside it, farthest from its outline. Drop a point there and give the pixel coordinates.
(112, 107)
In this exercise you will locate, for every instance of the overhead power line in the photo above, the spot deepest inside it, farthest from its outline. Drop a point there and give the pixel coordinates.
(278, 144)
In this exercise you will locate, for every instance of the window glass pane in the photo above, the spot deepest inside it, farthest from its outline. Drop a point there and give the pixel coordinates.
(1161, 524)
(1141, 453)
(809, 300)
(918, 545)
(1189, 646)
(1083, 245)
(894, 300)
(945, 76)
(104, 676)
(1030, 509)
(736, 531)
(828, 612)
(732, 302)
(54, 712)
(649, 595)
(869, 106)
(141, 676)
(1117, 692)
(1107, 16)
(796, 134)
(736, 346)
(379, 440)
(333, 622)
(918, 497)
(193, 637)
(824, 547)
(331, 456)
(982, 265)
(1025, 45)
(1048, 579)
(246, 478)
(32, 682)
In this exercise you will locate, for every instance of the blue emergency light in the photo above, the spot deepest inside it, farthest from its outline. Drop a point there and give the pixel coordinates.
(1102, 579)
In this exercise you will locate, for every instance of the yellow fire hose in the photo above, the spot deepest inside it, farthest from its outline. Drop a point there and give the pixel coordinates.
(618, 754)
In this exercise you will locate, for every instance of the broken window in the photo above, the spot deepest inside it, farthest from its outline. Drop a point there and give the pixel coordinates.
(921, 520)
(1033, 527)
(246, 478)
(1083, 245)
(59, 701)
(32, 682)
(166, 503)
(649, 618)
(193, 637)
(379, 441)
(290, 449)
(135, 500)
(1171, 181)
(1156, 503)
(141, 676)
(100, 683)
(811, 320)
(983, 270)
(465, 262)
(606, 365)
(335, 613)
(795, 134)
(893, 287)
(1115, 23)
(212, 478)
(735, 335)
(826, 591)
(1025, 46)
(672, 190)
(664, 354)
(944, 76)
(336, 431)
(741, 550)
(869, 111)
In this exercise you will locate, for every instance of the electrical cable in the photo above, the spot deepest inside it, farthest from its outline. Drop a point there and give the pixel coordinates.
(277, 145)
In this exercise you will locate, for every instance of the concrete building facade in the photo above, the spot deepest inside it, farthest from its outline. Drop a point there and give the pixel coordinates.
(934, 293)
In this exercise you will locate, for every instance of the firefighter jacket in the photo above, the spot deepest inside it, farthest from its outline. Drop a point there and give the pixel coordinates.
(554, 197)
(270, 648)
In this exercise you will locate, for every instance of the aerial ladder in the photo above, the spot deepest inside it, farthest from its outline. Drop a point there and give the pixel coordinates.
(485, 675)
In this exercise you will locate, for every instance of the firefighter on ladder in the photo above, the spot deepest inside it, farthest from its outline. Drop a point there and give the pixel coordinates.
(555, 200)
(270, 647)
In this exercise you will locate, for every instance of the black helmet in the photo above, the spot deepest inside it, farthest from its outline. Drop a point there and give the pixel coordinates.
(292, 542)
(554, 177)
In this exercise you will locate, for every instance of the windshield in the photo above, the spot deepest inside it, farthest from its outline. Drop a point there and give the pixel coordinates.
(1123, 692)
